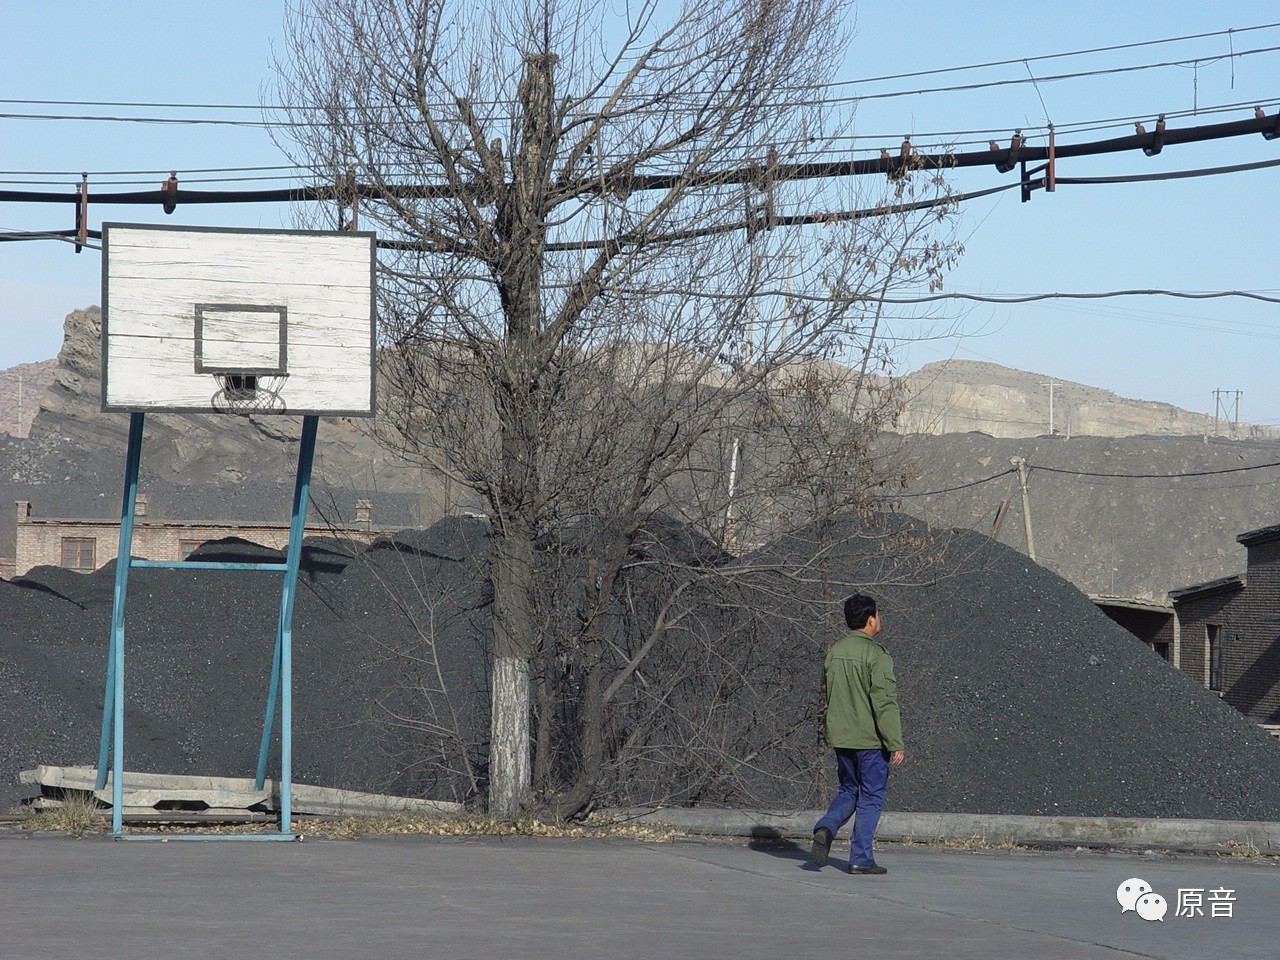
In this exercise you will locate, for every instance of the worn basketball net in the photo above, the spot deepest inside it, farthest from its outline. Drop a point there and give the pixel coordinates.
(248, 394)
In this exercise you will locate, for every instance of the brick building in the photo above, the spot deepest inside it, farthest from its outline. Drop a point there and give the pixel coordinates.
(1230, 631)
(1151, 621)
(86, 545)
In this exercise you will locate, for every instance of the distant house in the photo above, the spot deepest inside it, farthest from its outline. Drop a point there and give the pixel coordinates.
(86, 545)
(1230, 631)
(1151, 621)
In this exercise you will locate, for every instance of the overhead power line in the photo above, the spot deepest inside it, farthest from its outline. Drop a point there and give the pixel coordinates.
(935, 71)
(1052, 78)
(149, 173)
(948, 140)
(67, 236)
(962, 486)
(1103, 295)
(1159, 476)
(1016, 61)
(691, 96)
(1004, 159)
(1172, 174)
(922, 140)
(1093, 474)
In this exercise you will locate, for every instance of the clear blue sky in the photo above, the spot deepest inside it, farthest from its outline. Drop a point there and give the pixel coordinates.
(1205, 234)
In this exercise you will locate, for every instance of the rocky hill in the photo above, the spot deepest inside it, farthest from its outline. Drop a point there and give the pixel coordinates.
(193, 467)
(21, 388)
(957, 396)
(193, 448)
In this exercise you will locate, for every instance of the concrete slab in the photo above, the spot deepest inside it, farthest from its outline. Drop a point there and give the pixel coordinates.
(540, 898)
(148, 790)
(143, 791)
(327, 801)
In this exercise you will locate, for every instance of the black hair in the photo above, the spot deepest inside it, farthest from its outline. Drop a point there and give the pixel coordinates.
(858, 609)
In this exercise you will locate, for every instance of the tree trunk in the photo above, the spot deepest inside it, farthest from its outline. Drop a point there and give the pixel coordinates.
(509, 740)
(521, 228)
(509, 767)
(577, 798)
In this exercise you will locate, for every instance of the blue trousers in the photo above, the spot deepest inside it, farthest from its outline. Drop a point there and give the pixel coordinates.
(863, 776)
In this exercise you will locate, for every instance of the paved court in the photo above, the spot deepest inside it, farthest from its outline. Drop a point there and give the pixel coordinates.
(540, 898)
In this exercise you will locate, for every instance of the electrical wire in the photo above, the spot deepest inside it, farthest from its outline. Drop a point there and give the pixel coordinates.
(1103, 295)
(186, 181)
(945, 140)
(1058, 56)
(1217, 325)
(748, 174)
(1052, 78)
(66, 236)
(325, 193)
(962, 486)
(1171, 175)
(692, 97)
(1156, 476)
(139, 173)
(1093, 474)
(935, 71)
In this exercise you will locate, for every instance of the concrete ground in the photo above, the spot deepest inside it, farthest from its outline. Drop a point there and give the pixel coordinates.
(552, 898)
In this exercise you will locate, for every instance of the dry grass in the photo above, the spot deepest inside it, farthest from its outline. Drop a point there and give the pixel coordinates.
(1236, 850)
(974, 842)
(81, 814)
(78, 815)
(407, 824)
(350, 828)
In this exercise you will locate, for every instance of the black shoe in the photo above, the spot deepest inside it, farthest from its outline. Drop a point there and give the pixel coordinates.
(821, 846)
(872, 869)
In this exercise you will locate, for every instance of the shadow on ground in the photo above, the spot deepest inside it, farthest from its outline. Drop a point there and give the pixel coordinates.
(768, 841)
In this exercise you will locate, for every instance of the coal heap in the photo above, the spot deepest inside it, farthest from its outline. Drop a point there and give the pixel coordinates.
(1018, 695)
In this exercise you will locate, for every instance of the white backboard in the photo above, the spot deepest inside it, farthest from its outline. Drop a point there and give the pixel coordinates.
(208, 319)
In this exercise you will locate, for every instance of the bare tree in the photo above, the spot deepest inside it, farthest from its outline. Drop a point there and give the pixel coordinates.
(593, 273)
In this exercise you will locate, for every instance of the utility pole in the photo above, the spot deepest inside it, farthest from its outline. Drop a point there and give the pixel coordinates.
(999, 521)
(1050, 384)
(1021, 464)
(19, 433)
(1229, 409)
(727, 537)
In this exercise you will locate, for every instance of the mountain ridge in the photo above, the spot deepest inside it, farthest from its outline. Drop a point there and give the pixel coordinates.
(957, 396)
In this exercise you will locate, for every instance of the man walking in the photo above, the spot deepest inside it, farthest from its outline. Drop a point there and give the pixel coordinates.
(864, 728)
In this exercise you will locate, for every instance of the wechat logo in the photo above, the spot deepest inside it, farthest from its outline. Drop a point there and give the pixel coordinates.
(1135, 894)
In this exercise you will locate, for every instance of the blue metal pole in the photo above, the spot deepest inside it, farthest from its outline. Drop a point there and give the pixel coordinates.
(273, 686)
(113, 697)
(282, 667)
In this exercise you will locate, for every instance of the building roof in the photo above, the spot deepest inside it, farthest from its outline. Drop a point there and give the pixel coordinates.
(1233, 582)
(1134, 603)
(1255, 537)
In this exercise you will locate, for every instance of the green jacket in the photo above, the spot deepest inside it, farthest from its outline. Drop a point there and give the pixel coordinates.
(862, 695)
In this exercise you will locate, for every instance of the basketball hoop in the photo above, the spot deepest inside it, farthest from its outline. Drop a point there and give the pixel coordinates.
(246, 394)
(251, 307)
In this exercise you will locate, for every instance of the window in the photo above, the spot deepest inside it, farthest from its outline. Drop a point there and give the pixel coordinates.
(1161, 649)
(1213, 633)
(78, 553)
(189, 547)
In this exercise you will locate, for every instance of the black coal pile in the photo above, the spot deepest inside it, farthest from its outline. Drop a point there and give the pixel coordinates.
(1018, 696)
(198, 655)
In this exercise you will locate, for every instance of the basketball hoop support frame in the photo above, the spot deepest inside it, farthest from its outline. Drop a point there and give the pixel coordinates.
(280, 686)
